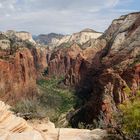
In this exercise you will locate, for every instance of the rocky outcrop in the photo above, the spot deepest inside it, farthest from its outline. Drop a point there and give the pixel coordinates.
(55, 40)
(84, 36)
(25, 36)
(62, 59)
(16, 128)
(48, 39)
(80, 37)
(112, 76)
(17, 76)
(69, 60)
(4, 42)
(72, 62)
(21, 64)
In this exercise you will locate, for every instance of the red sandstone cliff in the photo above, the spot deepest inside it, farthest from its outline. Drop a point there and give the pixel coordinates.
(62, 59)
(17, 76)
(19, 69)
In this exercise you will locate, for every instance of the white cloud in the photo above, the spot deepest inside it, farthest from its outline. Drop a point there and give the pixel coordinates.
(64, 16)
(112, 3)
(1, 5)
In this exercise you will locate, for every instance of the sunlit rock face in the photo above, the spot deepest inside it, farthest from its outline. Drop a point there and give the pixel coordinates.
(80, 37)
(4, 41)
(54, 40)
(21, 64)
(84, 36)
(17, 76)
(25, 36)
(62, 59)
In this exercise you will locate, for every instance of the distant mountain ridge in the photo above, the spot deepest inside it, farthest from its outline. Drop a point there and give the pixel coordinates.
(54, 40)
(90, 30)
(47, 39)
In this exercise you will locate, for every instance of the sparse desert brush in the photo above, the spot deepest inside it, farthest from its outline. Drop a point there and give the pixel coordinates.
(131, 117)
(51, 101)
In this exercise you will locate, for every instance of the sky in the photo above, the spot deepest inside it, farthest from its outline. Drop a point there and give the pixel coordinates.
(62, 16)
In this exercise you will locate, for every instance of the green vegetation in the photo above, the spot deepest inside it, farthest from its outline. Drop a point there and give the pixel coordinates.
(131, 117)
(136, 61)
(138, 93)
(51, 101)
(54, 96)
(127, 90)
(65, 45)
(28, 44)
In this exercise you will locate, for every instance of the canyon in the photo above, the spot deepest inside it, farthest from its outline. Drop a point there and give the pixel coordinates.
(103, 71)
(102, 68)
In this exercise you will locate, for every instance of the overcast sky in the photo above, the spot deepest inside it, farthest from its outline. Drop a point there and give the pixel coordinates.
(62, 16)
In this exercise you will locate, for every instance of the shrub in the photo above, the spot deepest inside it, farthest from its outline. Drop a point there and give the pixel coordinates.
(51, 101)
(53, 96)
(127, 90)
(131, 117)
(29, 109)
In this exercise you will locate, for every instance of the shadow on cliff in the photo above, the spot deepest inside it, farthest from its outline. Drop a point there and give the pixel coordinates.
(89, 93)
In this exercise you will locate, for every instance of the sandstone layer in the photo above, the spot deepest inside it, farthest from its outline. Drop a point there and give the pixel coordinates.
(16, 128)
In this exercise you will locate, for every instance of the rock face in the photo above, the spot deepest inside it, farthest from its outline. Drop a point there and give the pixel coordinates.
(80, 37)
(112, 73)
(48, 39)
(16, 128)
(17, 76)
(72, 62)
(21, 35)
(68, 59)
(62, 58)
(83, 36)
(21, 64)
(55, 40)
(4, 42)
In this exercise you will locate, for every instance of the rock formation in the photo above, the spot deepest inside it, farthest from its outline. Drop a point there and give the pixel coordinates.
(25, 36)
(62, 58)
(84, 36)
(103, 71)
(114, 68)
(48, 39)
(16, 128)
(21, 64)
(72, 62)
(55, 40)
